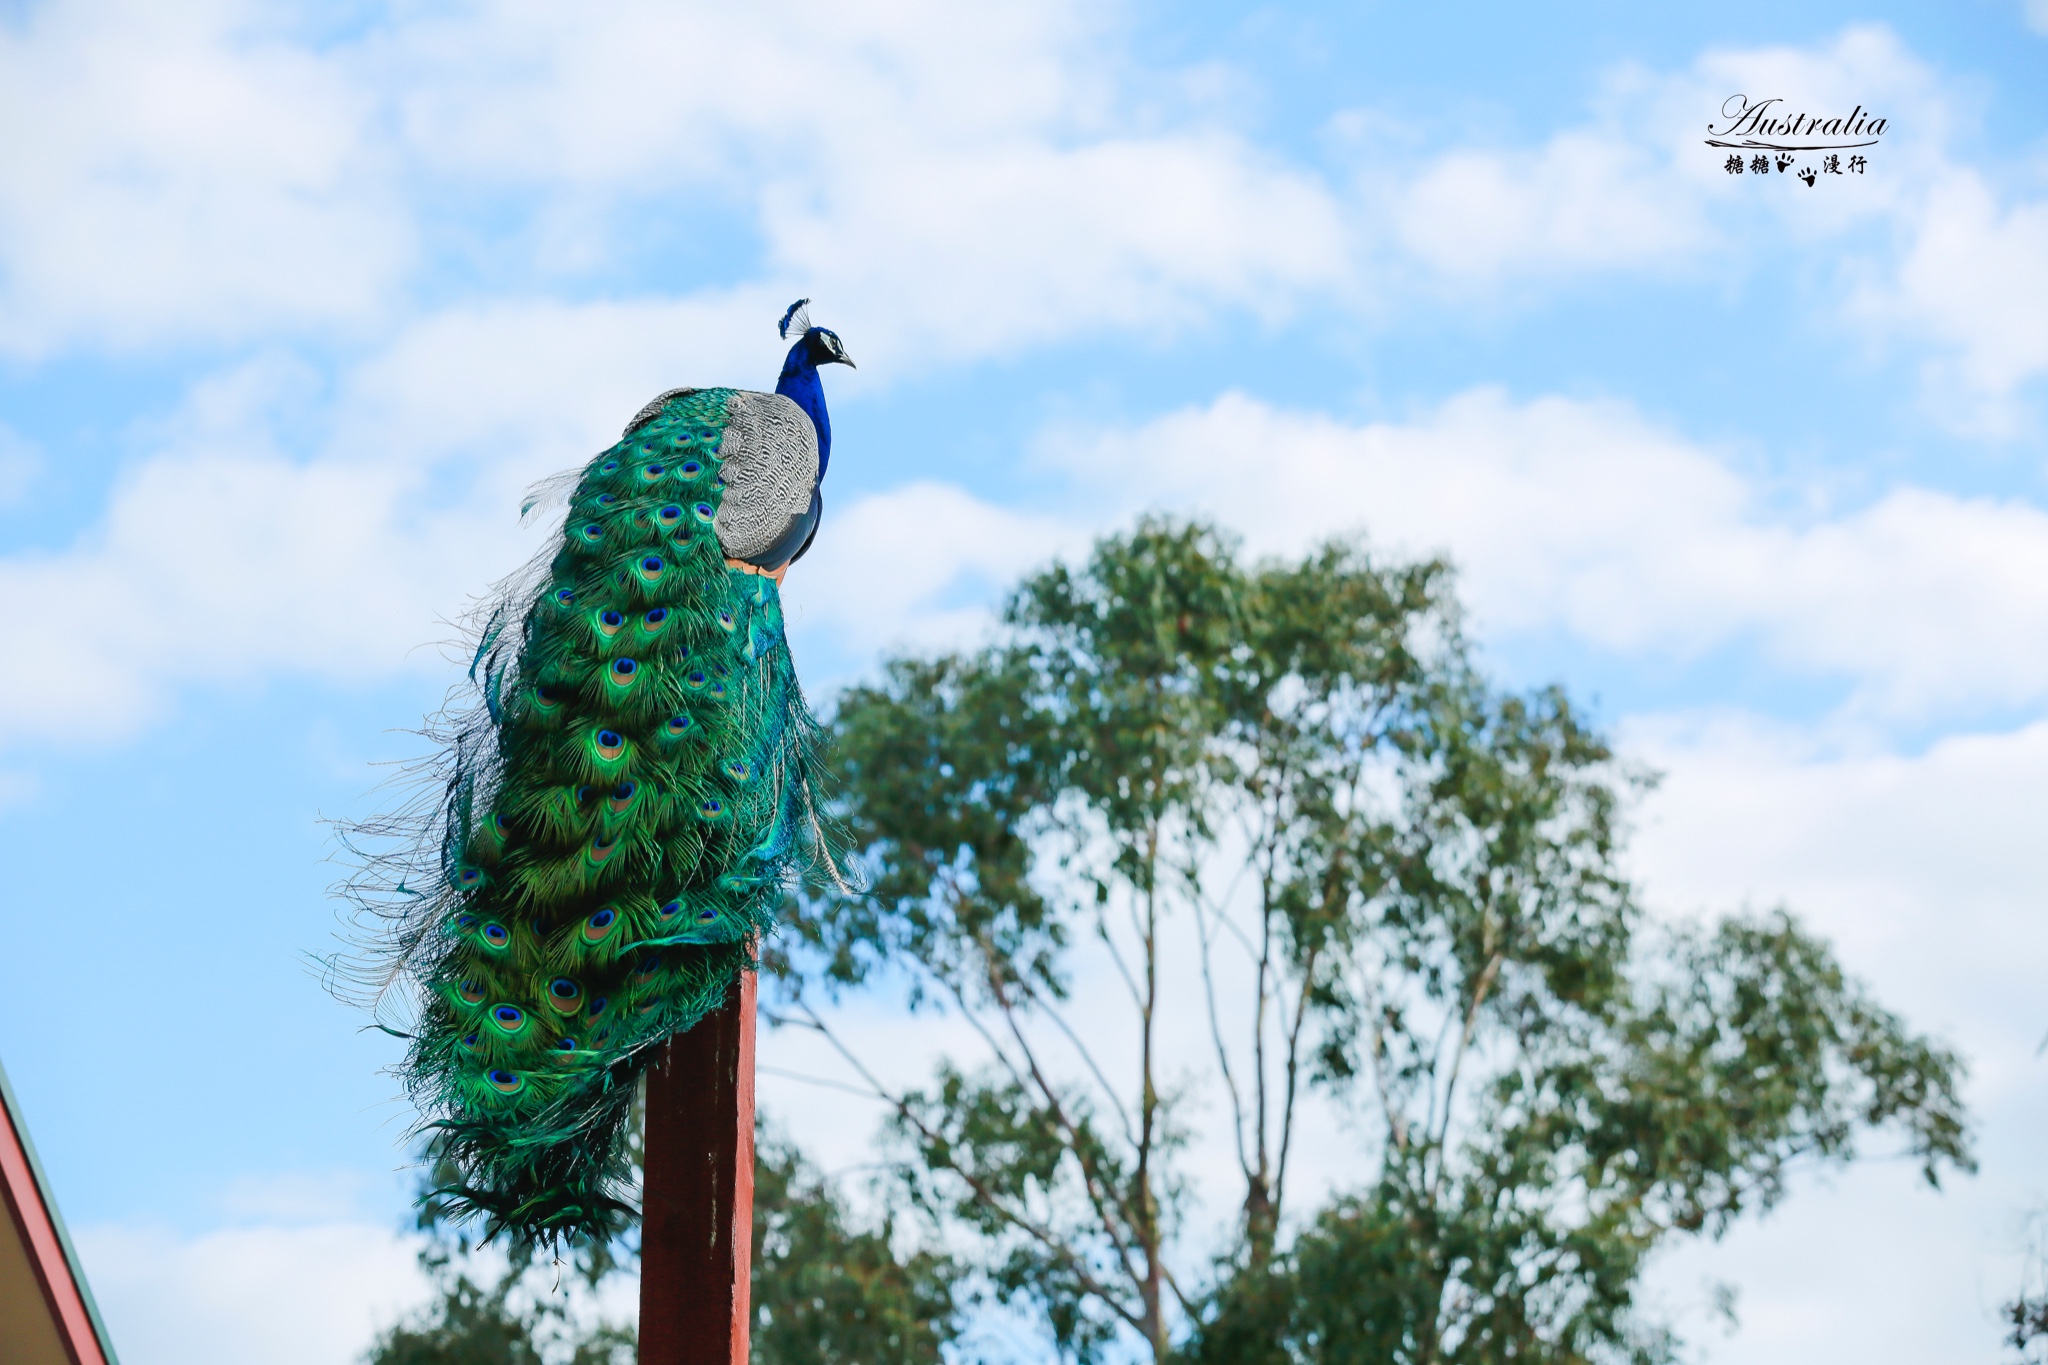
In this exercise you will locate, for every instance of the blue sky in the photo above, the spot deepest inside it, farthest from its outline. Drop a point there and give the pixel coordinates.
(295, 300)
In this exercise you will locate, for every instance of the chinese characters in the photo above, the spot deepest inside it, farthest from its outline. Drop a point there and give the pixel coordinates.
(1831, 164)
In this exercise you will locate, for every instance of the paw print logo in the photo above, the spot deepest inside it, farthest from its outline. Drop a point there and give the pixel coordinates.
(1806, 174)
(1784, 161)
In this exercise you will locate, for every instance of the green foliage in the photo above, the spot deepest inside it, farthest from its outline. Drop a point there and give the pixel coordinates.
(1675, 1108)
(2027, 1313)
(1402, 886)
(825, 1291)
(499, 1324)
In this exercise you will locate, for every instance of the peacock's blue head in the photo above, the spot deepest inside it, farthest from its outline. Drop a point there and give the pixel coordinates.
(814, 346)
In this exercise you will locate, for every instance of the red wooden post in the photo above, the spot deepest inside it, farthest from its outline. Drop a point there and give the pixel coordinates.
(697, 1206)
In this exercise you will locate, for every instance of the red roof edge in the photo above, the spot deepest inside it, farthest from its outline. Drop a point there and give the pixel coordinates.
(36, 1222)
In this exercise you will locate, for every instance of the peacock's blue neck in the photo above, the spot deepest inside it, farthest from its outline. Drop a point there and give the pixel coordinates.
(799, 383)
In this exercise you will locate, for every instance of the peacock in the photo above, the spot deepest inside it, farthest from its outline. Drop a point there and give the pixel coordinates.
(623, 797)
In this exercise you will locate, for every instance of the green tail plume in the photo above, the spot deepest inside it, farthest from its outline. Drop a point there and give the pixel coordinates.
(613, 823)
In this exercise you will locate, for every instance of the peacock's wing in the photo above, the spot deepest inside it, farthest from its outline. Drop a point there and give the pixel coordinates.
(622, 813)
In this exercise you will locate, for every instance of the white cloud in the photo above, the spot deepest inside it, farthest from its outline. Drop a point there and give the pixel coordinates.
(1915, 864)
(1921, 868)
(1583, 517)
(313, 1294)
(1975, 282)
(1959, 278)
(956, 181)
(221, 558)
(917, 567)
(187, 173)
(961, 179)
(229, 559)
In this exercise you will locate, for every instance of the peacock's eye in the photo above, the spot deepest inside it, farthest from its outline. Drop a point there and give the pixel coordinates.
(704, 916)
(609, 467)
(651, 564)
(671, 910)
(566, 596)
(607, 499)
(624, 667)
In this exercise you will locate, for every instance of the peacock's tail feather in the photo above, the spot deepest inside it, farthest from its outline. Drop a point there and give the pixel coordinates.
(616, 817)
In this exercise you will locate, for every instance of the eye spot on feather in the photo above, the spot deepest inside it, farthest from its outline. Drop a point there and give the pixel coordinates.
(706, 916)
(564, 996)
(468, 878)
(464, 923)
(472, 992)
(622, 797)
(726, 621)
(610, 747)
(652, 473)
(677, 727)
(622, 674)
(546, 701)
(716, 691)
(506, 1082)
(653, 622)
(592, 532)
(650, 568)
(566, 1045)
(607, 499)
(468, 1041)
(609, 622)
(599, 926)
(608, 467)
(601, 850)
(670, 911)
(711, 808)
(679, 440)
(597, 1007)
(649, 968)
(670, 516)
(688, 470)
(738, 770)
(565, 597)
(509, 1020)
(497, 936)
(704, 512)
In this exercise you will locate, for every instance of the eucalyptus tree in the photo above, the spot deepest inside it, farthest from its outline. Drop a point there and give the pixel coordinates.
(1278, 806)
